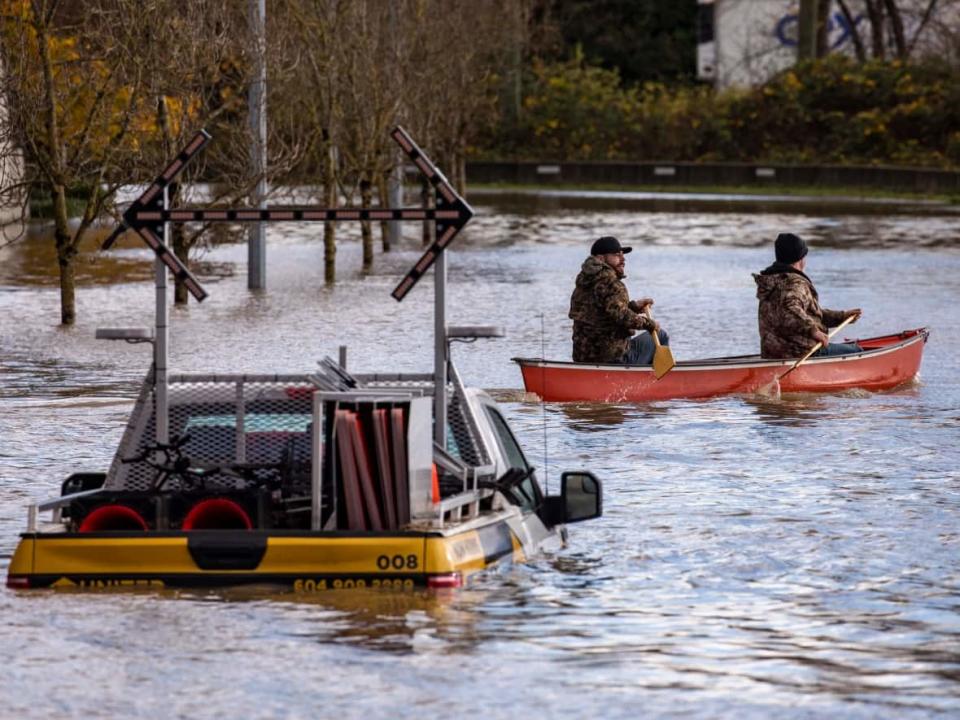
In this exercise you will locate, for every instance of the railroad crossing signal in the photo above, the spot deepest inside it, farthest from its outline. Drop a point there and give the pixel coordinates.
(147, 214)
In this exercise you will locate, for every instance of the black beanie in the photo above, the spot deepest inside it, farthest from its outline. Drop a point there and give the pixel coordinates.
(789, 248)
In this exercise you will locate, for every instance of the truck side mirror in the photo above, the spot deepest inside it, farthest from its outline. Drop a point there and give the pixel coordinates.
(581, 498)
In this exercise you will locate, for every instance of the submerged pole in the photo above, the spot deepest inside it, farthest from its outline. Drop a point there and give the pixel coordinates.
(395, 199)
(257, 103)
(395, 178)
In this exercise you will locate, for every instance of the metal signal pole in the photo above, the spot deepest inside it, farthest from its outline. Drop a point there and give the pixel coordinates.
(257, 104)
(149, 216)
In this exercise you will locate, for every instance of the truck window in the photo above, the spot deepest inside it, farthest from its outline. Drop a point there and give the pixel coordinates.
(528, 492)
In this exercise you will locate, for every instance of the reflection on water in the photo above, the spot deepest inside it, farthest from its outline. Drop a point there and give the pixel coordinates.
(795, 411)
(32, 259)
(593, 417)
(381, 620)
(795, 557)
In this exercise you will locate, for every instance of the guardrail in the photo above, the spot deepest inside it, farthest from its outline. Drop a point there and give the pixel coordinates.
(925, 180)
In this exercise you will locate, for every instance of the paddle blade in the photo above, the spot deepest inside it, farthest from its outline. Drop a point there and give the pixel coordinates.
(663, 361)
(771, 389)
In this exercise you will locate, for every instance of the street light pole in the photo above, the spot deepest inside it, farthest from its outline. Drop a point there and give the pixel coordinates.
(257, 103)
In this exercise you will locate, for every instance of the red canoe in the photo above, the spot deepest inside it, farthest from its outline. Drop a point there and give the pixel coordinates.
(887, 362)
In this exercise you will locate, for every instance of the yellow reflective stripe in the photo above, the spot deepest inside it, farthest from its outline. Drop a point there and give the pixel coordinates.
(351, 555)
(112, 556)
(432, 554)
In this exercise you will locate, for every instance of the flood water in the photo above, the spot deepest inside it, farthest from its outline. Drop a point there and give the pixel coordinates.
(797, 557)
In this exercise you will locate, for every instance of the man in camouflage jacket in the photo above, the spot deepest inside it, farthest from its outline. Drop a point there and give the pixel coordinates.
(604, 317)
(791, 319)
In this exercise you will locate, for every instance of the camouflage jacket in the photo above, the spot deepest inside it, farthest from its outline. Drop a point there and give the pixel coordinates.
(603, 316)
(789, 312)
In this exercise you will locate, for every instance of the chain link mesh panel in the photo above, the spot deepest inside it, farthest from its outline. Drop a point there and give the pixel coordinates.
(247, 421)
(229, 420)
(463, 440)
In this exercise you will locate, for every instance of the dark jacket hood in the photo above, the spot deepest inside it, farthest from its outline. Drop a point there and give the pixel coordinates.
(779, 276)
(592, 270)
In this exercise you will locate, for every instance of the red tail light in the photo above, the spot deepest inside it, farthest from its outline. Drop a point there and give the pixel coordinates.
(18, 582)
(447, 580)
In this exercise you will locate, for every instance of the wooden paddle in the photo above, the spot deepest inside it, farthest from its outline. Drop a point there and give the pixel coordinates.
(773, 387)
(663, 361)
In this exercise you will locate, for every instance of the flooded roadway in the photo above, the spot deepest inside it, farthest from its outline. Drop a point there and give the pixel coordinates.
(795, 557)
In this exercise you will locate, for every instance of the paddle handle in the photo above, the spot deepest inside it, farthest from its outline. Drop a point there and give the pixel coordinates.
(654, 333)
(846, 321)
(816, 347)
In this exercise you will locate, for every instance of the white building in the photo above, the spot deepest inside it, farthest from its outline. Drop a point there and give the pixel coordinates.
(11, 173)
(745, 42)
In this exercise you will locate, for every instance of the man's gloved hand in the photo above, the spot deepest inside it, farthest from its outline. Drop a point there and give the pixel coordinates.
(855, 313)
(641, 306)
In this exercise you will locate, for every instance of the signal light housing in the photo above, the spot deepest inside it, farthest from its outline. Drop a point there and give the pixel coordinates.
(112, 518)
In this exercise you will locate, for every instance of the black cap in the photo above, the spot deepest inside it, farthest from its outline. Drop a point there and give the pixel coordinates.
(789, 248)
(608, 245)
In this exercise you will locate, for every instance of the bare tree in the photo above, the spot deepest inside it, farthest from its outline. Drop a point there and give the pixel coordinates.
(199, 53)
(371, 99)
(73, 109)
(896, 28)
(97, 101)
(453, 81)
(191, 59)
(312, 37)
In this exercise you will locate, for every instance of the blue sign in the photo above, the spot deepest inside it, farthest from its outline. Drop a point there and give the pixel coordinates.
(838, 29)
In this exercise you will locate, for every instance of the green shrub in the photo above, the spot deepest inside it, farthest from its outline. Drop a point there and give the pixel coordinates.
(575, 112)
(832, 110)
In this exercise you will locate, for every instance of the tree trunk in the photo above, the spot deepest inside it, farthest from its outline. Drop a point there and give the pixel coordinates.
(66, 252)
(329, 228)
(858, 47)
(384, 195)
(181, 248)
(928, 13)
(807, 30)
(896, 22)
(366, 229)
(329, 252)
(823, 20)
(461, 171)
(425, 202)
(65, 242)
(875, 14)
